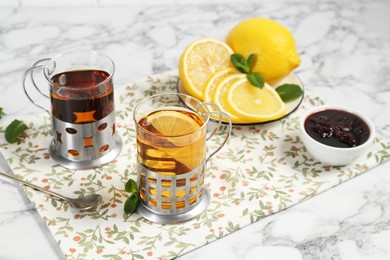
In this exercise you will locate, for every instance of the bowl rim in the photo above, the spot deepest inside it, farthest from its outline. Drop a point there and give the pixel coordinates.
(316, 109)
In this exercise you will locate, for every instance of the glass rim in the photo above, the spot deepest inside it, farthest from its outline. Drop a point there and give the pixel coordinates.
(142, 101)
(92, 53)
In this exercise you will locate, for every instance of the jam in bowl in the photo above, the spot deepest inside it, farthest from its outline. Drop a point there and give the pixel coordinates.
(335, 135)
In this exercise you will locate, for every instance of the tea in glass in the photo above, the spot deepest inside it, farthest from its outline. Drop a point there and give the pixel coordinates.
(172, 131)
(82, 108)
(171, 142)
(74, 98)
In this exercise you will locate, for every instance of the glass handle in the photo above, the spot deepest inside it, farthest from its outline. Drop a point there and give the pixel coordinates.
(30, 71)
(214, 131)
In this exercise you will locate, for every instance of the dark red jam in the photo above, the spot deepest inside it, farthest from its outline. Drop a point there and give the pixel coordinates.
(337, 128)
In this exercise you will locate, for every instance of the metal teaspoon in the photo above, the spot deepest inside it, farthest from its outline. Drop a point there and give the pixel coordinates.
(82, 203)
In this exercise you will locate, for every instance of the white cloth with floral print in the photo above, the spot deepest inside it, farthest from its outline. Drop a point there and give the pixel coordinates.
(263, 169)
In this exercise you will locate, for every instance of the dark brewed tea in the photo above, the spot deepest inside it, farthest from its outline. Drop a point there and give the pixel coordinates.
(82, 96)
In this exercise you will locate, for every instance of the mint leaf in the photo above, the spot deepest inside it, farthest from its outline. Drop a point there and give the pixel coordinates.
(250, 61)
(240, 63)
(1, 112)
(131, 186)
(237, 59)
(14, 130)
(131, 203)
(245, 66)
(289, 92)
(256, 79)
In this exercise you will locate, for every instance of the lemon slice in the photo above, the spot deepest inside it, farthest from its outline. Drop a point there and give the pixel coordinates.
(172, 123)
(191, 156)
(184, 133)
(199, 60)
(212, 82)
(254, 104)
(220, 94)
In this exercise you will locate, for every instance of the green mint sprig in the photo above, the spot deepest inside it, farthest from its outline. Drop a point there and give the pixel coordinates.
(241, 63)
(132, 202)
(287, 92)
(256, 79)
(14, 131)
(245, 66)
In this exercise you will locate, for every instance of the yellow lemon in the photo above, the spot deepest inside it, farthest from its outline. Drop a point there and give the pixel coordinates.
(273, 44)
(214, 79)
(253, 104)
(199, 60)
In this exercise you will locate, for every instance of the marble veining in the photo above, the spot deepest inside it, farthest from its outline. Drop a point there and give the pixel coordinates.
(344, 47)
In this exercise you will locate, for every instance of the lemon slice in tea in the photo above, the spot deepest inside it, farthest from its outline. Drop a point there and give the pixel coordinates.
(183, 130)
(173, 123)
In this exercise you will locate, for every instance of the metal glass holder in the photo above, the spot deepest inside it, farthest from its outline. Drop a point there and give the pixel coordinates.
(84, 146)
(170, 199)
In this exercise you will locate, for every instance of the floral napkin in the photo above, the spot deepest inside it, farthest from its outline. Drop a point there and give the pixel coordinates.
(262, 169)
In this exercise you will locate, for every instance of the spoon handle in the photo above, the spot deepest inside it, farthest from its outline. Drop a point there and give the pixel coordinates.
(34, 186)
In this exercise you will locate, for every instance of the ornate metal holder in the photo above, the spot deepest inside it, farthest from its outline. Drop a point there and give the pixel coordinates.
(88, 145)
(172, 199)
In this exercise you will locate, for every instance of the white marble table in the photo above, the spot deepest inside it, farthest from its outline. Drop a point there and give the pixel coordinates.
(345, 51)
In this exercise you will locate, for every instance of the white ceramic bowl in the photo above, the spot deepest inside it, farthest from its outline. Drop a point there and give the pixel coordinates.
(330, 155)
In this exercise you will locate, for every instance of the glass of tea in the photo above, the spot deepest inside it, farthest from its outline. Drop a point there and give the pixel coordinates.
(81, 94)
(172, 132)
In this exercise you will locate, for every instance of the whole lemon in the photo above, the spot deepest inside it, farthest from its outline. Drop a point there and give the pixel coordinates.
(273, 44)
